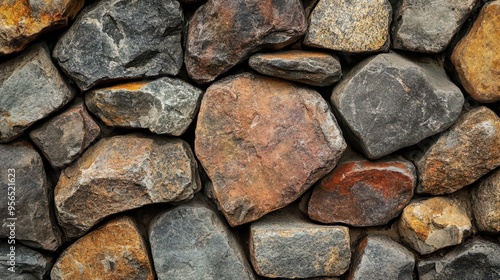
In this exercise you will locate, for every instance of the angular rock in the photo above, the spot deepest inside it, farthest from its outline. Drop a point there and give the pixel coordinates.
(486, 203)
(356, 26)
(164, 106)
(114, 40)
(251, 131)
(64, 137)
(223, 33)
(312, 68)
(115, 250)
(388, 102)
(31, 88)
(433, 224)
(461, 155)
(121, 173)
(29, 264)
(476, 56)
(24, 182)
(191, 241)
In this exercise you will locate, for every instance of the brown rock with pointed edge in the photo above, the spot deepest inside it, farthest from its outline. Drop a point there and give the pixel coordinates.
(486, 203)
(263, 142)
(115, 250)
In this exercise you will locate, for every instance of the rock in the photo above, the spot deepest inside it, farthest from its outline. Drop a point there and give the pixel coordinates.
(23, 21)
(115, 250)
(388, 102)
(478, 259)
(31, 88)
(428, 26)
(64, 137)
(122, 173)
(29, 264)
(357, 26)
(433, 224)
(486, 203)
(164, 106)
(312, 68)
(461, 155)
(376, 252)
(284, 245)
(309, 6)
(251, 131)
(191, 241)
(476, 56)
(115, 40)
(25, 183)
(359, 192)
(223, 33)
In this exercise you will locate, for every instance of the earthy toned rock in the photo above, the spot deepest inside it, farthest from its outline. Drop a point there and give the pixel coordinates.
(360, 192)
(64, 137)
(22, 21)
(388, 102)
(191, 241)
(24, 182)
(428, 26)
(121, 173)
(476, 57)
(461, 155)
(254, 130)
(309, 6)
(312, 68)
(31, 88)
(223, 33)
(433, 224)
(113, 39)
(29, 264)
(486, 203)
(164, 106)
(355, 26)
(116, 250)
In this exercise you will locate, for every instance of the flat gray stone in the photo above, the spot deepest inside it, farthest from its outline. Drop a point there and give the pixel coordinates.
(29, 264)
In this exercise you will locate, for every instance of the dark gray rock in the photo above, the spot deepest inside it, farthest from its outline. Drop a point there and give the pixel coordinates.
(29, 264)
(389, 102)
(117, 39)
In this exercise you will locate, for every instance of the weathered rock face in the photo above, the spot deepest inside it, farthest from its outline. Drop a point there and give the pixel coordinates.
(389, 102)
(22, 167)
(363, 193)
(251, 130)
(122, 173)
(164, 106)
(29, 264)
(192, 242)
(476, 56)
(486, 203)
(222, 33)
(114, 251)
(113, 39)
(355, 26)
(30, 89)
(21, 21)
(461, 155)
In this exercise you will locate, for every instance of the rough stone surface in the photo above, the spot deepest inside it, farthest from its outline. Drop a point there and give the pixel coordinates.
(478, 259)
(433, 224)
(35, 224)
(428, 26)
(251, 130)
(355, 26)
(30, 89)
(308, 67)
(476, 57)
(192, 242)
(388, 102)
(64, 137)
(461, 155)
(486, 203)
(223, 33)
(29, 264)
(116, 39)
(116, 250)
(122, 173)
(164, 106)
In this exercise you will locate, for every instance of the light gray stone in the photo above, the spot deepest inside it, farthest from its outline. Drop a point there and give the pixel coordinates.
(29, 264)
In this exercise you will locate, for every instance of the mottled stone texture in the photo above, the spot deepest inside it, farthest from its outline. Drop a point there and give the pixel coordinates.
(122, 173)
(29, 264)
(118, 39)
(251, 131)
(116, 250)
(222, 33)
(486, 203)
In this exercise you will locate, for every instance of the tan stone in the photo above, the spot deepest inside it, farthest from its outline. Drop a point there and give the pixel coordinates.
(486, 203)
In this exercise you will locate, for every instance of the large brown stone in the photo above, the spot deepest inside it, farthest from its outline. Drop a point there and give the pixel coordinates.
(263, 142)
(486, 203)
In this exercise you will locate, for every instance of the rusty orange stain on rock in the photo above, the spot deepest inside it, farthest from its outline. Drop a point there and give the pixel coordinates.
(128, 86)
